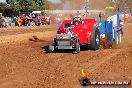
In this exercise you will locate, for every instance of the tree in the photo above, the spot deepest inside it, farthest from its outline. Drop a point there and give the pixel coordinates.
(26, 6)
(3, 6)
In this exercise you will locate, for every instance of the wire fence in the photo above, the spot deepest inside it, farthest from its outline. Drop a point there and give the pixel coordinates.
(73, 11)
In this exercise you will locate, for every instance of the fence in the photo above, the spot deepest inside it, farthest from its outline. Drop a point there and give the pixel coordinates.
(73, 11)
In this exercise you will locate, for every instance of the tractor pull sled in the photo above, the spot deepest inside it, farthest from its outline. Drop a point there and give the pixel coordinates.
(72, 34)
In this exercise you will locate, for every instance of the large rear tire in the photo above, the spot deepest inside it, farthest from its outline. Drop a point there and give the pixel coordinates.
(95, 39)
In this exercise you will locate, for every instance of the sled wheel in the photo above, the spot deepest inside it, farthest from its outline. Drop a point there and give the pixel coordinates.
(51, 48)
(95, 39)
(77, 47)
(85, 81)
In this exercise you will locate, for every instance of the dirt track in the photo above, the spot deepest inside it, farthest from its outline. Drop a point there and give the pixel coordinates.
(25, 63)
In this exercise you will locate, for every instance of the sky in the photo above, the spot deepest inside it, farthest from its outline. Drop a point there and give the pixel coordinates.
(2, 0)
(54, 1)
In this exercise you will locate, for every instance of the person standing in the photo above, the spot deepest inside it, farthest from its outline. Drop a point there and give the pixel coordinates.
(59, 21)
(6, 21)
(126, 17)
(19, 21)
(78, 14)
(1, 21)
(121, 24)
(39, 17)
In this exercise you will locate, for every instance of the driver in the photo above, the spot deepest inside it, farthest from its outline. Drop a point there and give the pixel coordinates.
(76, 20)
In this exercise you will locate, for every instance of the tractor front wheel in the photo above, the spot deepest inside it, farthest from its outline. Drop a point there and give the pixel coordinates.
(77, 47)
(51, 48)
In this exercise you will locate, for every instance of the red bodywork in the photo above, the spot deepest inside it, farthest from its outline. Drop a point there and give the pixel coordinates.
(83, 30)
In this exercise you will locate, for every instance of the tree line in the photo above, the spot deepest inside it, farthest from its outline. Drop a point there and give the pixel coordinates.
(17, 7)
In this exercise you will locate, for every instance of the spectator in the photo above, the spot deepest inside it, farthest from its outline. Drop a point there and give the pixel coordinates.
(19, 21)
(24, 18)
(43, 20)
(29, 21)
(39, 17)
(35, 20)
(13, 21)
(59, 21)
(1, 22)
(6, 21)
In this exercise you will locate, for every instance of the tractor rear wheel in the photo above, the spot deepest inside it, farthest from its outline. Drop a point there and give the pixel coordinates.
(77, 47)
(95, 39)
(51, 47)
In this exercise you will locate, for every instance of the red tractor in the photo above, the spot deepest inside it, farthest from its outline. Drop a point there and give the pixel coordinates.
(75, 33)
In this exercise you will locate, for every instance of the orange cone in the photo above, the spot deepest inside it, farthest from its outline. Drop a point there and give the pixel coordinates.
(84, 74)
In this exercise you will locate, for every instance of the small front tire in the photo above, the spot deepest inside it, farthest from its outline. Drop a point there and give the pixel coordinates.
(51, 48)
(77, 47)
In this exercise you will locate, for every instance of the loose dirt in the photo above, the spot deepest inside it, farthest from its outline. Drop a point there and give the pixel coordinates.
(26, 63)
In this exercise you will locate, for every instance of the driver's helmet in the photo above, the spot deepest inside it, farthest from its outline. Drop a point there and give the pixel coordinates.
(76, 20)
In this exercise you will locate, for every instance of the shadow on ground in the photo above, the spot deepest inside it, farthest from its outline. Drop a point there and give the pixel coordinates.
(83, 48)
